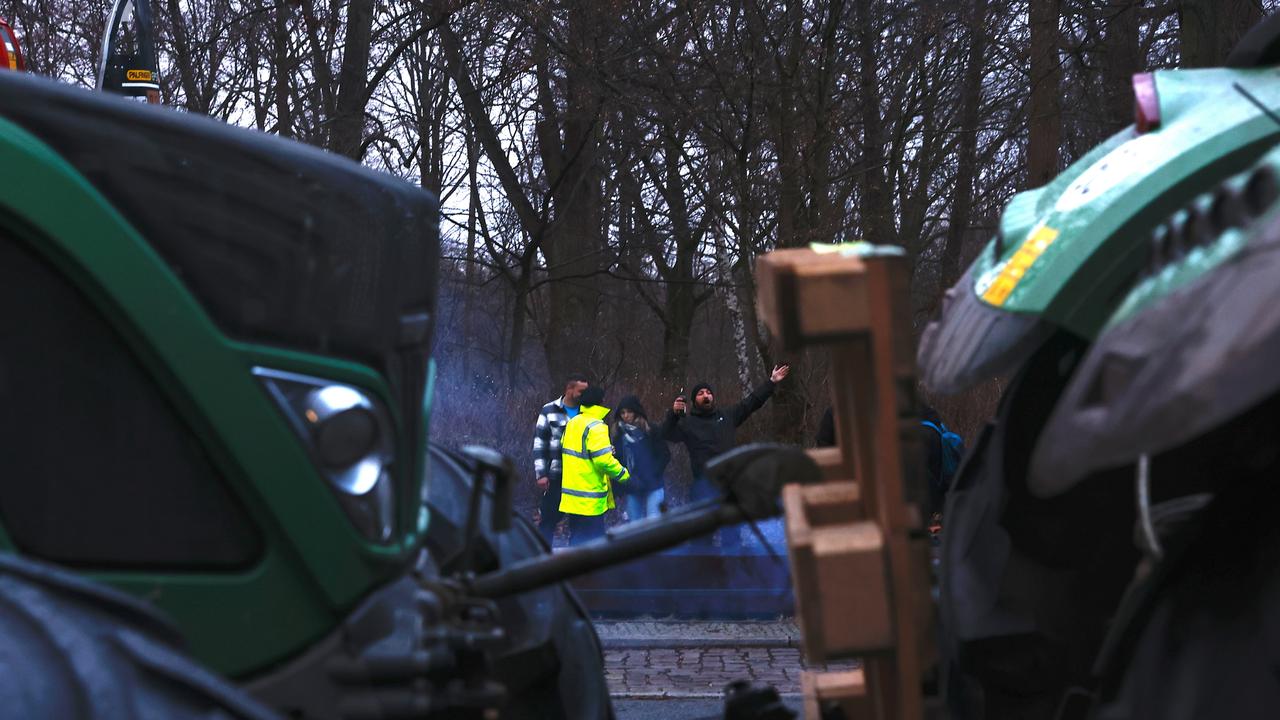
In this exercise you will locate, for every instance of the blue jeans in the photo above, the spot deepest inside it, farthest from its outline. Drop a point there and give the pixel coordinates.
(642, 505)
(730, 537)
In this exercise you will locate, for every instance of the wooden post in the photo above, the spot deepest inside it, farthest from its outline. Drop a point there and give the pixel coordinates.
(859, 562)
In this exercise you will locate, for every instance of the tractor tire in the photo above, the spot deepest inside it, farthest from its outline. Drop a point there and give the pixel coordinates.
(75, 650)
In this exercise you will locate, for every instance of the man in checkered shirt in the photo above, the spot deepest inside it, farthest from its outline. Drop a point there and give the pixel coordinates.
(546, 451)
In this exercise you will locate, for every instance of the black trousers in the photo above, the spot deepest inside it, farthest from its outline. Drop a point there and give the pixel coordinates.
(549, 508)
(585, 528)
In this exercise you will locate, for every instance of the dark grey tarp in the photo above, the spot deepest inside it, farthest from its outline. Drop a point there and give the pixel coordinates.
(1183, 366)
(971, 341)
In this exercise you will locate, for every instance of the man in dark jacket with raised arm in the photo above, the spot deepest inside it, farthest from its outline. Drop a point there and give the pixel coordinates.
(708, 431)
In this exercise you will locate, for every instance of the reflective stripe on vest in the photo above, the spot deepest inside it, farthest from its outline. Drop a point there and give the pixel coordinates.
(585, 432)
(584, 493)
(584, 454)
(588, 456)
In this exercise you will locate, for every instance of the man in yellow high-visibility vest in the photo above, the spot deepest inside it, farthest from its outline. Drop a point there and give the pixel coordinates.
(589, 469)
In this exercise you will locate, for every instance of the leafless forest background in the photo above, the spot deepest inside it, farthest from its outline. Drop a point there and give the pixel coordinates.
(609, 171)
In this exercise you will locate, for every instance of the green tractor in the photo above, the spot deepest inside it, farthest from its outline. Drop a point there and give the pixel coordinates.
(217, 377)
(1178, 402)
(1030, 582)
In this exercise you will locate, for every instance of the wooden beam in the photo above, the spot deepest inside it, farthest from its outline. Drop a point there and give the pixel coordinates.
(860, 571)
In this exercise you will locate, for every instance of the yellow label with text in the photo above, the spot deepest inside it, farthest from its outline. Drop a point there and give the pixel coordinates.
(1032, 248)
(138, 75)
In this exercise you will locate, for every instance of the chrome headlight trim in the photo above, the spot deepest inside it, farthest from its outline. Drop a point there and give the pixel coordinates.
(349, 435)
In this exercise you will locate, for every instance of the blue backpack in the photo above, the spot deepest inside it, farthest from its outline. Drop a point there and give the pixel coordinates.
(952, 452)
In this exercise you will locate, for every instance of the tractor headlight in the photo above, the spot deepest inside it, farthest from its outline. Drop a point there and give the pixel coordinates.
(349, 436)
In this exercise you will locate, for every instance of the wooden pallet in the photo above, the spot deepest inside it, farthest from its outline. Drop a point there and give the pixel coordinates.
(845, 690)
(858, 555)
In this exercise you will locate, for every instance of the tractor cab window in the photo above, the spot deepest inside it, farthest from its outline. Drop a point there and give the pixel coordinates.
(98, 470)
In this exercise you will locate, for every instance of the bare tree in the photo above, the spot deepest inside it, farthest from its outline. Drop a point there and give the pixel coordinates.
(967, 146)
(1044, 135)
(1208, 29)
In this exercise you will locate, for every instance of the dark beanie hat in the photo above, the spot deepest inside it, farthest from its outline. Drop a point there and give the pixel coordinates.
(698, 387)
(632, 403)
(593, 395)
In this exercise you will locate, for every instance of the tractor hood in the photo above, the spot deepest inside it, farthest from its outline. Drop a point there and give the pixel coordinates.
(283, 244)
(1066, 253)
(1193, 345)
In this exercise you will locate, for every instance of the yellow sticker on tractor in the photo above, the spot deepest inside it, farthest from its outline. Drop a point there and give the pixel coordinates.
(1012, 272)
(138, 75)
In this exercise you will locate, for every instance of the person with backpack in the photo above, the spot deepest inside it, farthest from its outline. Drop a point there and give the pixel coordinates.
(643, 451)
(944, 451)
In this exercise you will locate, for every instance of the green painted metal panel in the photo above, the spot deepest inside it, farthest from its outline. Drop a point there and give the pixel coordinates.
(315, 564)
(1068, 250)
(1197, 261)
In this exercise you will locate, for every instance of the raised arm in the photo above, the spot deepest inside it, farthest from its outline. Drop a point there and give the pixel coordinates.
(757, 398)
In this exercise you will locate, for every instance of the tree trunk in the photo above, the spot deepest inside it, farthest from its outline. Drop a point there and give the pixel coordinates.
(753, 345)
(280, 48)
(822, 222)
(346, 129)
(469, 269)
(785, 119)
(1209, 29)
(967, 149)
(677, 329)
(572, 248)
(876, 205)
(323, 87)
(183, 58)
(432, 112)
(574, 241)
(1044, 110)
(1121, 58)
(680, 303)
(519, 313)
(738, 322)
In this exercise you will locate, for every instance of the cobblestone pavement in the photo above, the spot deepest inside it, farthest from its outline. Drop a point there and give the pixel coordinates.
(652, 633)
(680, 708)
(702, 672)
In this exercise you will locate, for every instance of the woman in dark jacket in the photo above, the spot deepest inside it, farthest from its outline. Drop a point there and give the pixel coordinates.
(640, 447)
